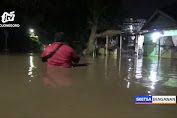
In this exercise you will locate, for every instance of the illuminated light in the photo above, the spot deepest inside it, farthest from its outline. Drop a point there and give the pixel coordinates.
(155, 36)
(30, 71)
(128, 85)
(152, 87)
(31, 30)
(138, 76)
(133, 37)
(131, 27)
(153, 76)
(31, 62)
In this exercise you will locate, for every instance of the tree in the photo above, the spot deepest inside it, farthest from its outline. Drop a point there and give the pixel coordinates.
(74, 17)
(105, 9)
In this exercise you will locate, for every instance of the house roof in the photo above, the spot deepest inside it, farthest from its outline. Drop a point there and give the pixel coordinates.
(109, 33)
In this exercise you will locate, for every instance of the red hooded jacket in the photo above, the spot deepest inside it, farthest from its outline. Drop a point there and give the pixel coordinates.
(63, 57)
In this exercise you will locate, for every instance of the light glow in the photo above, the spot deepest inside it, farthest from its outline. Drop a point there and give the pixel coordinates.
(31, 30)
(155, 36)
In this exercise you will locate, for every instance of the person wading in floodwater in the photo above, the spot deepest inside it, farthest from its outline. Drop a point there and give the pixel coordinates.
(60, 54)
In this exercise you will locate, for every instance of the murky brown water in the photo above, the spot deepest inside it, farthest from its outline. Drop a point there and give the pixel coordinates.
(106, 88)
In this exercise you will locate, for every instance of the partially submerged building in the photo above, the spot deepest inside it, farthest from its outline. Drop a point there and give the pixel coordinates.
(108, 42)
(160, 34)
(123, 40)
(157, 37)
(130, 28)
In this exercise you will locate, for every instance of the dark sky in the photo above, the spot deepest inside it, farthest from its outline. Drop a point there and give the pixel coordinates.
(145, 8)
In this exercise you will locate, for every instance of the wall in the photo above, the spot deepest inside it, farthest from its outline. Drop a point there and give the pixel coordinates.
(150, 48)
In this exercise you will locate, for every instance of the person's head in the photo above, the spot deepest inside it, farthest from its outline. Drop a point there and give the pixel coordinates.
(59, 37)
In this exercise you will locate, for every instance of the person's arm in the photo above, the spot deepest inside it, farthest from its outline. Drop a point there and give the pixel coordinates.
(74, 57)
(44, 55)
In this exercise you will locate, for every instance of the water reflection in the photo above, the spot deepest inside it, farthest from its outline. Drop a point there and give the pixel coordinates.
(106, 67)
(84, 91)
(172, 82)
(123, 71)
(153, 78)
(57, 77)
(120, 57)
(128, 84)
(146, 75)
(139, 65)
(31, 69)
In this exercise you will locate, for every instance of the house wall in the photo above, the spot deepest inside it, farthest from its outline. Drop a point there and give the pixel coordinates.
(161, 21)
(150, 48)
(169, 53)
(169, 49)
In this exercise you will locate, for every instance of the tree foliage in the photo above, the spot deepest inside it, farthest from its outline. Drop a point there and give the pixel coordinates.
(79, 19)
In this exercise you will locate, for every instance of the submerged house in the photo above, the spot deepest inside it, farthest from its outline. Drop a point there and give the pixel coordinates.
(107, 42)
(160, 34)
(130, 27)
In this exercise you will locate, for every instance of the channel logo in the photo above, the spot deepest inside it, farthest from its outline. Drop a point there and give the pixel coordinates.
(6, 17)
(155, 99)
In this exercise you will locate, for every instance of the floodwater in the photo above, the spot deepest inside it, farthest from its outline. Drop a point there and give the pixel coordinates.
(106, 88)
